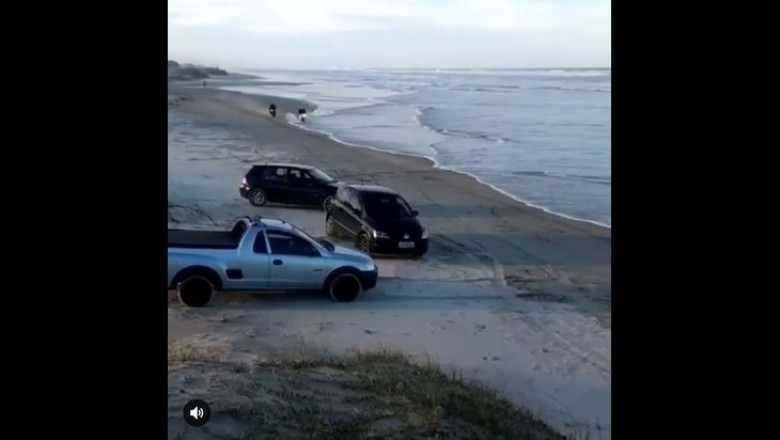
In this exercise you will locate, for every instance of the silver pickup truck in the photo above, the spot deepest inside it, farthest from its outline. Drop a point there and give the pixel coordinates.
(263, 255)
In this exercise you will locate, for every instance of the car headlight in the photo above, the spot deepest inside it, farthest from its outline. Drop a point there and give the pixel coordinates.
(379, 234)
(424, 234)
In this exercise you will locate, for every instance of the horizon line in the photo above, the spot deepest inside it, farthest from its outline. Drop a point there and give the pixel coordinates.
(426, 68)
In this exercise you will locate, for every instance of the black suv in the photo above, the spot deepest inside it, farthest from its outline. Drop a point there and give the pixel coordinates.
(289, 184)
(379, 219)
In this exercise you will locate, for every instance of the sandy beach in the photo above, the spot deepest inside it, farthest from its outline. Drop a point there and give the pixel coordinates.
(508, 295)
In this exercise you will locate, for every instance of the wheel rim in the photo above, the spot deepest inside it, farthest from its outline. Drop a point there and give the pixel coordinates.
(258, 197)
(327, 202)
(363, 243)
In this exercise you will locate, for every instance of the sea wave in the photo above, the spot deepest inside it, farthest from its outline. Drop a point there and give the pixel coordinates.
(499, 71)
(421, 113)
(504, 89)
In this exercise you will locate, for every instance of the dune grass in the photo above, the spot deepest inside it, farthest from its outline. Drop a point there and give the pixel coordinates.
(368, 395)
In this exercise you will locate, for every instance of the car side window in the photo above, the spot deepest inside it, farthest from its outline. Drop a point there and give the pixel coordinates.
(283, 243)
(259, 247)
(341, 195)
(275, 174)
(269, 173)
(354, 201)
(348, 198)
(295, 176)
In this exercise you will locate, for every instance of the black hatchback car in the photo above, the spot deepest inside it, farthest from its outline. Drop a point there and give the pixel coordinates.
(291, 184)
(379, 220)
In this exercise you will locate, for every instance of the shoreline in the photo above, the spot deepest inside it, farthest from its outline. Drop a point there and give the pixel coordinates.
(431, 161)
(376, 146)
(435, 165)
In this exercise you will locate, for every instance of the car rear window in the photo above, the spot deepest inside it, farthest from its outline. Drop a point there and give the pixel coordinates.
(255, 172)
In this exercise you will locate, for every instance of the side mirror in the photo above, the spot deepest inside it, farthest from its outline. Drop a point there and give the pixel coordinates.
(415, 213)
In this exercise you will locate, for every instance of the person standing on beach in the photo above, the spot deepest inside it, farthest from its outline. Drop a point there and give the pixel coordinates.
(204, 83)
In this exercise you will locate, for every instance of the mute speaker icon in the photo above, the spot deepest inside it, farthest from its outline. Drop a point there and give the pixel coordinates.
(196, 413)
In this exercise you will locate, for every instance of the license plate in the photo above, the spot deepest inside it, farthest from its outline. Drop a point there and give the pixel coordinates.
(405, 245)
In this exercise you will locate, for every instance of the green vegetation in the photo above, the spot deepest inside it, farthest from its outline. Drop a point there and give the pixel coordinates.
(365, 396)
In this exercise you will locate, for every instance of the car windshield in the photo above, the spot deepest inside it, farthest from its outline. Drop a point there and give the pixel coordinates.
(321, 176)
(324, 243)
(386, 206)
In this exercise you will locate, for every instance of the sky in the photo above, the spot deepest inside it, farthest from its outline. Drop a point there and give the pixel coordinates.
(346, 34)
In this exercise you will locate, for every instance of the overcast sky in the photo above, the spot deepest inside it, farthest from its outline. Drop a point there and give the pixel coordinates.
(325, 34)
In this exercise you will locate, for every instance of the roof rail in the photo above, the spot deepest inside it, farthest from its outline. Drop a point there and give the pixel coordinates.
(252, 220)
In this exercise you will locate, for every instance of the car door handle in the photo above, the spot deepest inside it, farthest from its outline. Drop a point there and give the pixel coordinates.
(278, 262)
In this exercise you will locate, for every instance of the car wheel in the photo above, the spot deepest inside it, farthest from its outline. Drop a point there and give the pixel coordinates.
(330, 227)
(257, 197)
(364, 243)
(345, 287)
(327, 202)
(195, 291)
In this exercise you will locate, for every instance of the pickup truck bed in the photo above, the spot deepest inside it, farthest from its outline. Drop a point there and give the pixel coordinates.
(181, 238)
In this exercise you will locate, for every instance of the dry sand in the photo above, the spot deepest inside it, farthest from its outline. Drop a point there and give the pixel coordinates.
(509, 295)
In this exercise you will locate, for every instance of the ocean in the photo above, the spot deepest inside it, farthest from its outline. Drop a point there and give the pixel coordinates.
(542, 136)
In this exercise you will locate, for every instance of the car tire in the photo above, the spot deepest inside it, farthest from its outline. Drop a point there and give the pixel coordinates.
(331, 229)
(195, 291)
(257, 197)
(326, 202)
(363, 243)
(344, 287)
